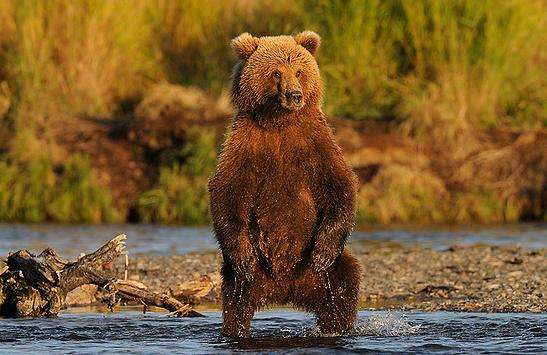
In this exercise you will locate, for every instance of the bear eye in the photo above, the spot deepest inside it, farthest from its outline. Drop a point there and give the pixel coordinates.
(277, 74)
(298, 72)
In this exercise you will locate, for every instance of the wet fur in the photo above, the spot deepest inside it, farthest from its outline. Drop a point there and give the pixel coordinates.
(283, 200)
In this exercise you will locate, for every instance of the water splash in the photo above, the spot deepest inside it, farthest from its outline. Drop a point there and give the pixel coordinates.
(383, 325)
(388, 324)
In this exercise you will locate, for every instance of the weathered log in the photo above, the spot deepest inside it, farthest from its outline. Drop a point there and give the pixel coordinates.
(130, 290)
(36, 286)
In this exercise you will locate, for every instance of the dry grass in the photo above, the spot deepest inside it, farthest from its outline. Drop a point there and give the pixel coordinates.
(403, 195)
(69, 59)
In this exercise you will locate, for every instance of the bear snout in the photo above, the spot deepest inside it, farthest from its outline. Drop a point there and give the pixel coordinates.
(292, 100)
(295, 96)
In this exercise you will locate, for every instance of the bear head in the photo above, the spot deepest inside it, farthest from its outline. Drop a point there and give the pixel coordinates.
(276, 74)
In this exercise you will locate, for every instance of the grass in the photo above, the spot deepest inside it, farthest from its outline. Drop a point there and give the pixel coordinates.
(472, 63)
(180, 194)
(39, 191)
(443, 72)
(380, 58)
(402, 195)
(73, 58)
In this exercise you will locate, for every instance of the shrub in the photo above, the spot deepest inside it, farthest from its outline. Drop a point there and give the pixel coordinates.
(402, 195)
(180, 195)
(34, 192)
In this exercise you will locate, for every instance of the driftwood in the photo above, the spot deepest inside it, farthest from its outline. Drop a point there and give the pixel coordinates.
(36, 286)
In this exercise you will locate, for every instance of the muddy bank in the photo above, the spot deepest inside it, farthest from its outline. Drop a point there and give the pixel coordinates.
(479, 278)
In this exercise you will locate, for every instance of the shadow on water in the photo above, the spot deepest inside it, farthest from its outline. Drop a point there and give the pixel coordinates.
(271, 343)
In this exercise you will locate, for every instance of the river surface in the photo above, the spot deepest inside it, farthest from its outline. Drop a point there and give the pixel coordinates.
(278, 331)
(168, 240)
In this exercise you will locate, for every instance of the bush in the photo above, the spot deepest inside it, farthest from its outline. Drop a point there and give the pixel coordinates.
(34, 192)
(180, 195)
(402, 195)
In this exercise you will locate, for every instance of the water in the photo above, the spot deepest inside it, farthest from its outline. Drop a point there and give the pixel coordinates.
(167, 240)
(277, 331)
(71, 240)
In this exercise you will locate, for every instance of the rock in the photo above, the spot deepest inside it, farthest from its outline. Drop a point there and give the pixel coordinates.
(467, 278)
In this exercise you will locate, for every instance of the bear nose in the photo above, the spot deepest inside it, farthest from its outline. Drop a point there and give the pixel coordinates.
(295, 96)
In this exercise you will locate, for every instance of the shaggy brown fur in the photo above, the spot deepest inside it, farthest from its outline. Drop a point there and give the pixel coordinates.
(282, 197)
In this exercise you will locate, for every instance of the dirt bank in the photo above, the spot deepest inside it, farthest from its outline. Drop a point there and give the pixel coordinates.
(479, 278)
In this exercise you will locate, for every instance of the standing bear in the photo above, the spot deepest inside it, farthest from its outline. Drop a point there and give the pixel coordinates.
(282, 196)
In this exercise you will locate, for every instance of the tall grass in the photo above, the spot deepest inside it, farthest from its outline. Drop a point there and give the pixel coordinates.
(475, 64)
(193, 35)
(480, 62)
(358, 58)
(180, 194)
(442, 71)
(38, 191)
(74, 58)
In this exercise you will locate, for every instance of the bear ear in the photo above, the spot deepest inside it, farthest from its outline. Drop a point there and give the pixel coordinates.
(309, 40)
(244, 45)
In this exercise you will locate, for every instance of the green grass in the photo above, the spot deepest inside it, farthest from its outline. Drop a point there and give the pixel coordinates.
(180, 194)
(38, 191)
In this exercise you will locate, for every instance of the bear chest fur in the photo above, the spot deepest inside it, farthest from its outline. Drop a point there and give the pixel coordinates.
(284, 210)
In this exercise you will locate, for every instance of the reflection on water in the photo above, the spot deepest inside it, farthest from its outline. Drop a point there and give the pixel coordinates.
(277, 331)
(167, 240)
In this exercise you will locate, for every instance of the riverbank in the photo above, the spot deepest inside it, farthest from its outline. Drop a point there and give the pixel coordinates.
(477, 278)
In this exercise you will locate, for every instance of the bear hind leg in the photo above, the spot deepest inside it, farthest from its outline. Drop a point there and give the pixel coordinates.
(238, 309)
(339, 311)
(333, 295)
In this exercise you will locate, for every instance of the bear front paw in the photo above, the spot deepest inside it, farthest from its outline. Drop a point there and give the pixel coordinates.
(323, 259)
(245, 267)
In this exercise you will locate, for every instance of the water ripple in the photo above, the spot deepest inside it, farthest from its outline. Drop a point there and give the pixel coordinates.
(277, 331)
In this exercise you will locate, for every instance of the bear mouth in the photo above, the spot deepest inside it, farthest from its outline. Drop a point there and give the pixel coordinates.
(290, 103)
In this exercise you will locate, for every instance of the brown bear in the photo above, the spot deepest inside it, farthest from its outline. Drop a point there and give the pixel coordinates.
(282, 196)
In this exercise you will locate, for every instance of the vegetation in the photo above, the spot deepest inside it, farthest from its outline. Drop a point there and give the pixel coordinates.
(181, 191)
(39, 191)
(441, 73)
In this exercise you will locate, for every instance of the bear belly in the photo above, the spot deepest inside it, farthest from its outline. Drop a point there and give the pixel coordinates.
(283, 229)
